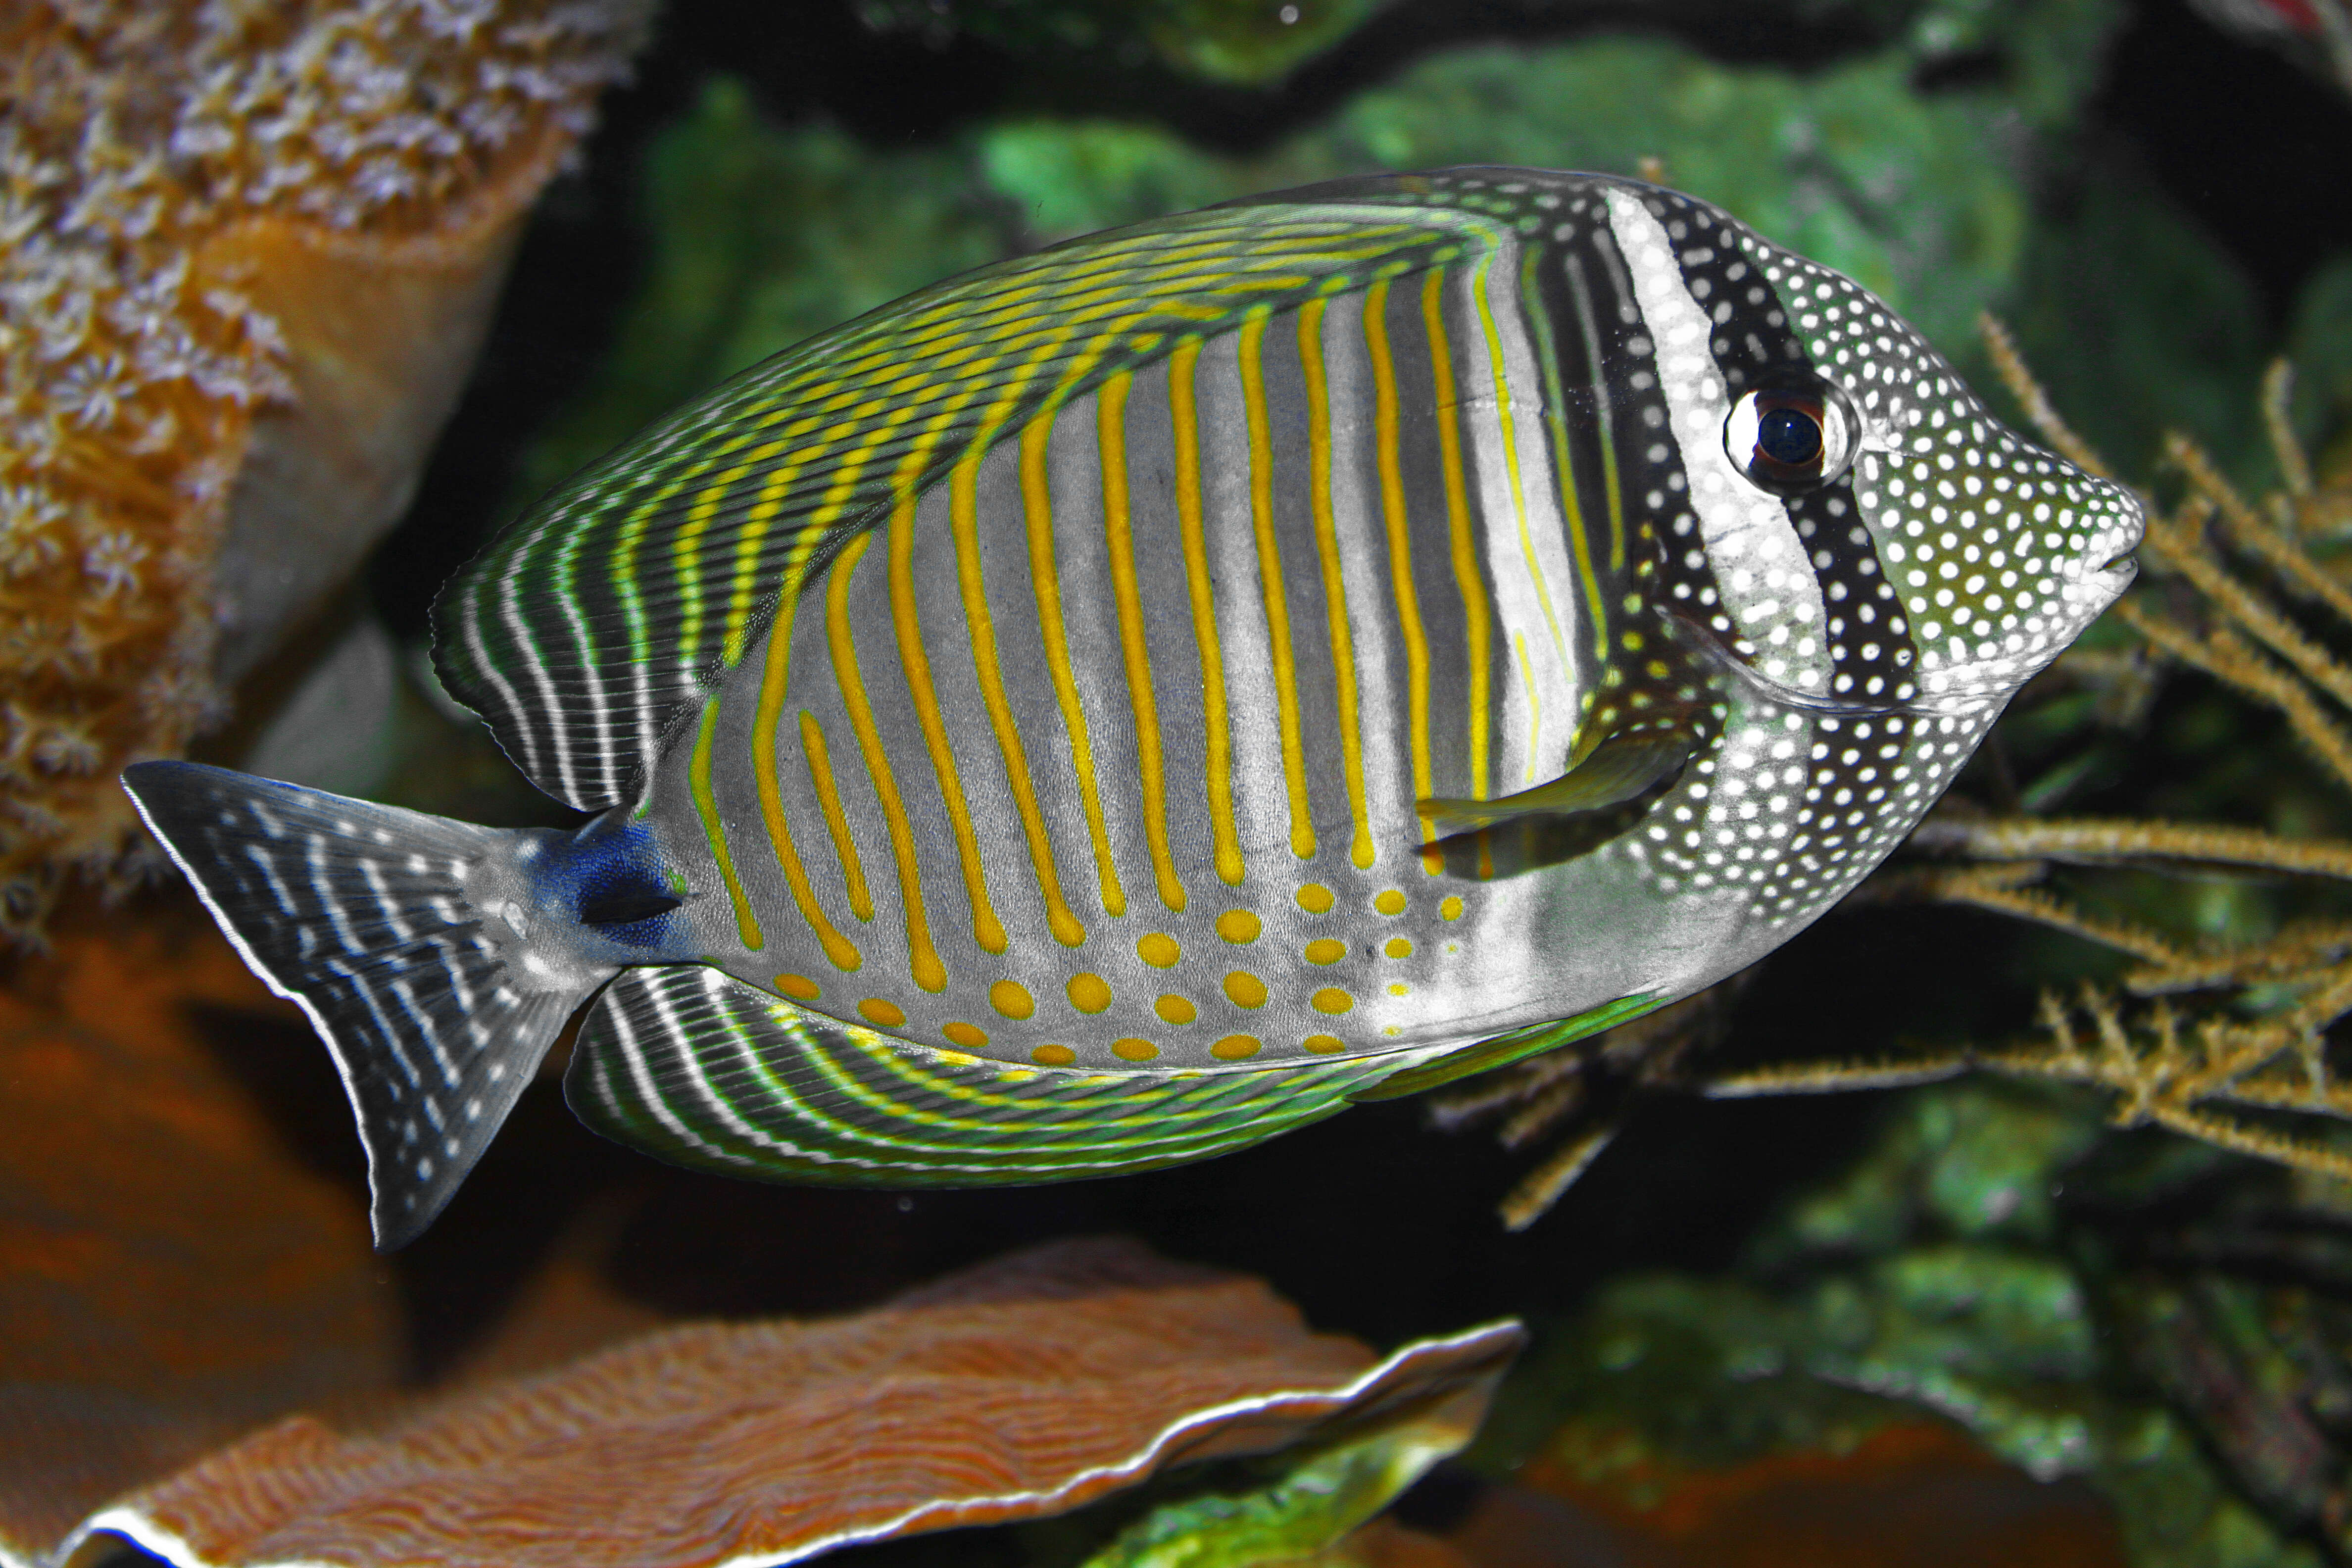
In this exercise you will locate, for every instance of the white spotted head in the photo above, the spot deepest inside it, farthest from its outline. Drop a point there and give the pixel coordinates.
(1991, 555)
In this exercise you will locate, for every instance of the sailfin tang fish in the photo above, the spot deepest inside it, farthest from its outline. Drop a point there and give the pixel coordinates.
(1115, 705)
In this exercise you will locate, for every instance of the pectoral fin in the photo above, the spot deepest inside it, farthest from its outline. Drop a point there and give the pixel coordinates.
(1616, 770)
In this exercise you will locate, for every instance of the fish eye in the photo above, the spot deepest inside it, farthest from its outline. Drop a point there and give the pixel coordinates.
(1792, 438)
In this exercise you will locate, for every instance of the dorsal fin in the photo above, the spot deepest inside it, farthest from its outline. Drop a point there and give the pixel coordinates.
(590, 627)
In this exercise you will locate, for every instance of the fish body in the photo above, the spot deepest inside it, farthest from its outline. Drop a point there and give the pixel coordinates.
(1113, 706)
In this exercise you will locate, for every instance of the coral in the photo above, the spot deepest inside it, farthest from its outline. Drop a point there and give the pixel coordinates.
(1022, 1388)
(247, 255)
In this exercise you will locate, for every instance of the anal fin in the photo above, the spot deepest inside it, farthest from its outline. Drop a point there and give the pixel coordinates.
(703, 1070)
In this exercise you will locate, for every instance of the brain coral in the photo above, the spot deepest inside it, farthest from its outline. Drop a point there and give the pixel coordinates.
(187, 192)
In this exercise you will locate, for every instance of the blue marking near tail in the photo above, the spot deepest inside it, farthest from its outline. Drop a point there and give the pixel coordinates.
(609, 875)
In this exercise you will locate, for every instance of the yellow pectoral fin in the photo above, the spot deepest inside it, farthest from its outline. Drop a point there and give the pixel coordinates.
(1618, 770)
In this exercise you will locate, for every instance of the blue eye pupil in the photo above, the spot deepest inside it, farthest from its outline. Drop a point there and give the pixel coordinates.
(1790, 437)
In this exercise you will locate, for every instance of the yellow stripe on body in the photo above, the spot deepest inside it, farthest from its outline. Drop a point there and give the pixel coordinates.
(1270, 589)
(773, 680)
(1045, 577)
(1334, 591)
(1535, 703)
(1477, 619)
(1386, 450)
(1501, 373)
(987, 930)
(706, 804)
(1556, 422)
(1582, 293)
(1110, 444)
(964, 518)
(1076, 311)
(1224, 831)
(922, 958)
(836, 821)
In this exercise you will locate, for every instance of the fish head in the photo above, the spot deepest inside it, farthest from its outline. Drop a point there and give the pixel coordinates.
(1999, 552)
(1953, 552)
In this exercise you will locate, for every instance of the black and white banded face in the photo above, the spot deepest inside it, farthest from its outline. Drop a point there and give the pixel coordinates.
(1829, 518)
(1875, 536)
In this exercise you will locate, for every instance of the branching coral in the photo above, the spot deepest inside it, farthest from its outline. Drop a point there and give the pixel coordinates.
(166, 175)
(2223, 1041)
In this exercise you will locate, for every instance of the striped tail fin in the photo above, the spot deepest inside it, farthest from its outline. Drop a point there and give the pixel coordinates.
(377, 923)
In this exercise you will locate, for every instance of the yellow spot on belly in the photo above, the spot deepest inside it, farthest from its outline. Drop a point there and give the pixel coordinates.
(1324, 949)
(1089, 993)
(1390, 903)
(799, 987)
(1176, 1009)
(1399, 947)
(1331, 999)
(1399, 989)
(1053, 1056)
(1246, 990)
(966, 1034)
(1451, 910)
(1159, 949)
(1239, 926)
(1314, 899)
(1323, 1045)
(1134, 1050)
(1235, 1047)
(888, 1015)
(1012, 998)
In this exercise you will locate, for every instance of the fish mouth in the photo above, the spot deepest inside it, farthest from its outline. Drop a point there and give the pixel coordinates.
(2125, 561)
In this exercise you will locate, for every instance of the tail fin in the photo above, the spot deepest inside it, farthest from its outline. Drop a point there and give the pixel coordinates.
(360, 914)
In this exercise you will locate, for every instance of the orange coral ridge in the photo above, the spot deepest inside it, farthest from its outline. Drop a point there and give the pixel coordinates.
(133, 137)
(1023, 1387)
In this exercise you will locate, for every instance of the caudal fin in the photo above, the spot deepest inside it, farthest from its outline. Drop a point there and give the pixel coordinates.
(360, 914)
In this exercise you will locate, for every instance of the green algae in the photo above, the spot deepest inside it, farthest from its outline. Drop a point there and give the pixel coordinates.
(1308, 1508)
(1936, 1277)
(1849, 167)
(1245, 42)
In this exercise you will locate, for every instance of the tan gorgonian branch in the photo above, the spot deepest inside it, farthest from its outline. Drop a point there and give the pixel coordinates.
(2020, 380)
